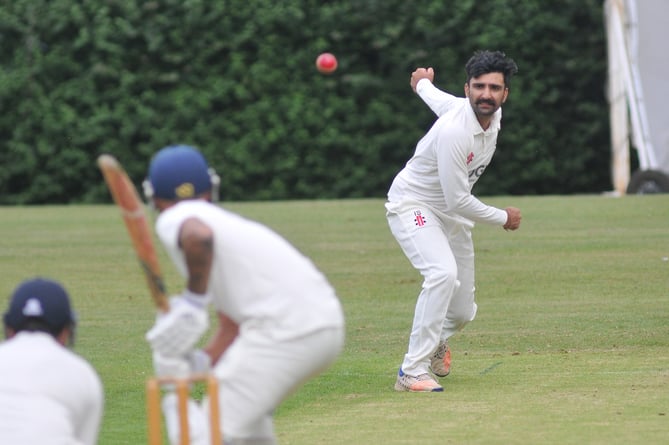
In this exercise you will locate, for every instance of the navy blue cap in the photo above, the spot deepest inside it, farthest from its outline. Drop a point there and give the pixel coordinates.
(179, 172)
(40, 299)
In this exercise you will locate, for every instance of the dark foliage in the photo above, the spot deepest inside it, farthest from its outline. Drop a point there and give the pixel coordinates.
(237, 79)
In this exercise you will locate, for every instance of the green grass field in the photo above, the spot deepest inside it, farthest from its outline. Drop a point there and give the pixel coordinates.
(570, 346)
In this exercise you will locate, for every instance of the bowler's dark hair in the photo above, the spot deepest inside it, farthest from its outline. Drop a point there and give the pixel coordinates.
(484, 62)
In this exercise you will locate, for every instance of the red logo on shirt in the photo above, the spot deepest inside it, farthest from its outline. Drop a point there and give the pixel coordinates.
(470, 157)
(420, 221)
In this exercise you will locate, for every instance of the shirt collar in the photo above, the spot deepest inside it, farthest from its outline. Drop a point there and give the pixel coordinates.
(473, 123)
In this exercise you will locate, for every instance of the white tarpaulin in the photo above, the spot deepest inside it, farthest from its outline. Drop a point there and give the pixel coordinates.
(637, 33)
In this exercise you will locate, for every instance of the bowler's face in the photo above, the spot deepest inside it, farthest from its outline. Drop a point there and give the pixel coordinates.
(486, 93)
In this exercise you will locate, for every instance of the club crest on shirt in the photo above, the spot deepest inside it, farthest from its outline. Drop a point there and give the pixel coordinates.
(419, 218)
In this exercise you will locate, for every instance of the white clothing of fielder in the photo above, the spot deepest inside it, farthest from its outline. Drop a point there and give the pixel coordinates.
(48, 394)
(291, 323)
(431, 212)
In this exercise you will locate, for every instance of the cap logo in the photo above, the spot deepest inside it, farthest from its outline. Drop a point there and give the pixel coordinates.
(33, 308)
(185, 190)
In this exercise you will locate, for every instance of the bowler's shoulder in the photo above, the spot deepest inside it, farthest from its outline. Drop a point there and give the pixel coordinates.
(454, 123)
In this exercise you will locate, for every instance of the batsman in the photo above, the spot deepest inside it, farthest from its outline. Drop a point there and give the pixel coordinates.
(280, 322)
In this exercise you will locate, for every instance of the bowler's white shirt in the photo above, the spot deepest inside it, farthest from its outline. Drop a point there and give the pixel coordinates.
(48, 394)
(449, 159)
(258, 279)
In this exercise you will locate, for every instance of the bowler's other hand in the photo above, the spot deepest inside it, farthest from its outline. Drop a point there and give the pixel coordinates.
(176, 332)
(421, 73)
(513, 218)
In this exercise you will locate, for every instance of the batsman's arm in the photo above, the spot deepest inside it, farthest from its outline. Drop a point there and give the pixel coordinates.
(225, 335)
(196, 240)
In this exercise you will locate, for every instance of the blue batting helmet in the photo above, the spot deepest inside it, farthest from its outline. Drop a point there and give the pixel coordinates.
(179, 172)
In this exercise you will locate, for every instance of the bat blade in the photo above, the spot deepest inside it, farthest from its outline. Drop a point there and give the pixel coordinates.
(132, 210)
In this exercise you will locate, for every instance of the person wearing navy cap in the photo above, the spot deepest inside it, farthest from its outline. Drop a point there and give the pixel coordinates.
(279, 320)
(48, 394)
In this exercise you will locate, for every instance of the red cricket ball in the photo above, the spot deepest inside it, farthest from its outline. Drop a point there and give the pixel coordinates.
(326, 63)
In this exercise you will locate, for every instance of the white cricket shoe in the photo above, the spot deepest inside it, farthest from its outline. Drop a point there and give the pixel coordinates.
(420, 383)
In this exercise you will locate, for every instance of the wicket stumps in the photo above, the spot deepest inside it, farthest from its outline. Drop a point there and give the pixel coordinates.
(182, 386)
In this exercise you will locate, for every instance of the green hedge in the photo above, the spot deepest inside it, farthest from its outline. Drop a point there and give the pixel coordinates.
(237, 79)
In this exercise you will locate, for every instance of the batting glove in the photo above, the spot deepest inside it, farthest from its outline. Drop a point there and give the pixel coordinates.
(199, 361)
(176, 367)
(195, 362)
(177, 331)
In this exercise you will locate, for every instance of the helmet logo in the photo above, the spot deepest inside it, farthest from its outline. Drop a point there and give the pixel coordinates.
(185, 190)
(33, 308)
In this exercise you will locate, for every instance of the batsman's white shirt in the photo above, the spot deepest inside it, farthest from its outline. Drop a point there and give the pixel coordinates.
(48, 394)
(449, 160)
(258, 279)
(291, 321)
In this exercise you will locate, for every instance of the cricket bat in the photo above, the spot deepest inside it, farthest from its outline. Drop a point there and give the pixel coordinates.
(132, 209)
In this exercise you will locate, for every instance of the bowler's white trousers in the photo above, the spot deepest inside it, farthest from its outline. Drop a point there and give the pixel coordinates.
(441, 249)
